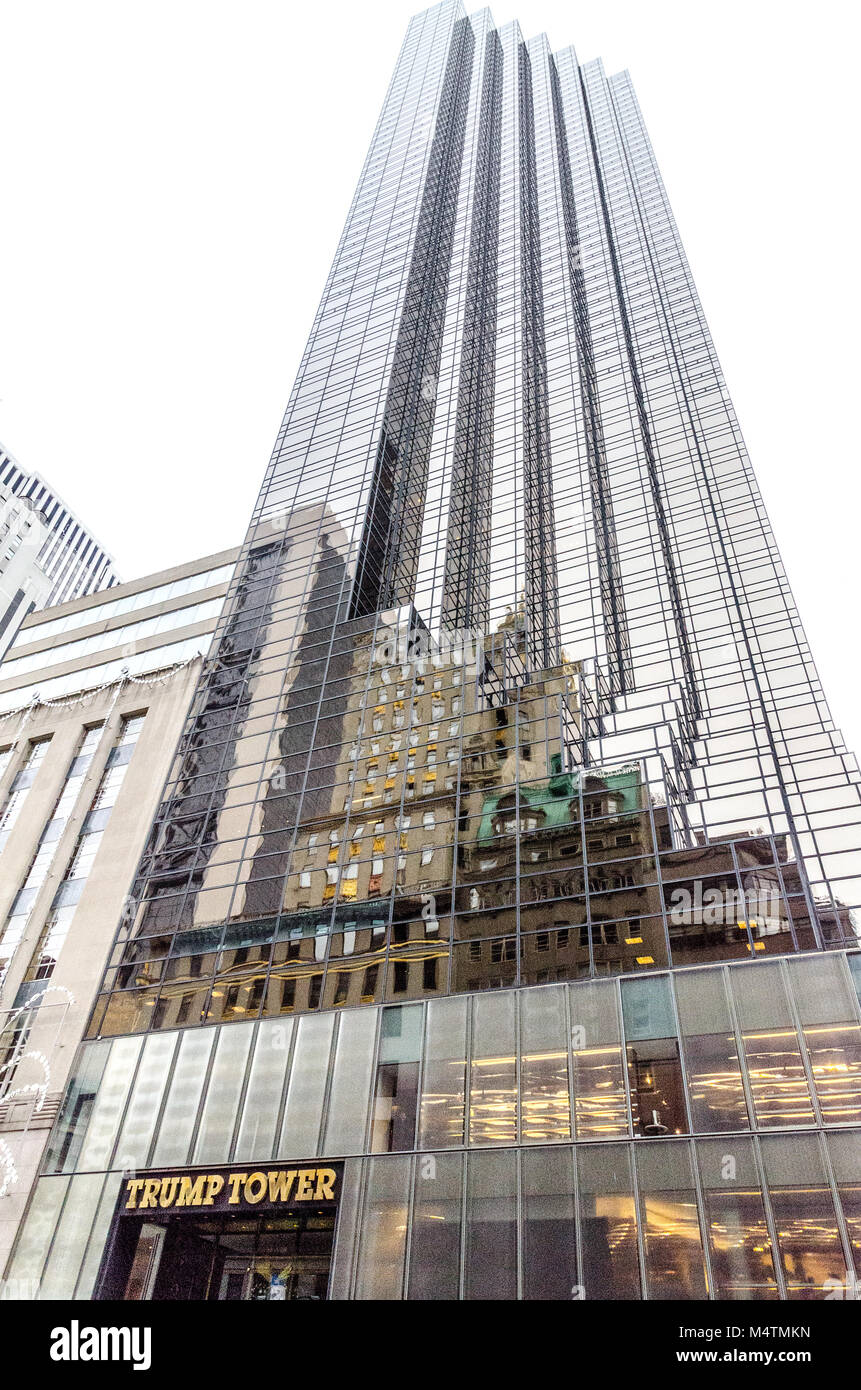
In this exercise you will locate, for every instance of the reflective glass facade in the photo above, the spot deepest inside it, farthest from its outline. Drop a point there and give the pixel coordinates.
(510, 853)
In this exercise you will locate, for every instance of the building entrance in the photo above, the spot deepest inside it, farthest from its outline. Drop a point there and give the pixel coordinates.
(233, 1258)
(232, 1235)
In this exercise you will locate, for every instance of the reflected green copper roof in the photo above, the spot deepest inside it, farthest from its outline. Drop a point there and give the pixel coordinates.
(554, 797)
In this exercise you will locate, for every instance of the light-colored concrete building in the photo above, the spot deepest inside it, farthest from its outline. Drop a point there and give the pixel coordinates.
(93, 695)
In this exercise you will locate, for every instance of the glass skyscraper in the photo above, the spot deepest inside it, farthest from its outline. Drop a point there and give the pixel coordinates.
(497, 933)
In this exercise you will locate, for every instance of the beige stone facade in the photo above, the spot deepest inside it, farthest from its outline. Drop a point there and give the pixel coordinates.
(80, 823)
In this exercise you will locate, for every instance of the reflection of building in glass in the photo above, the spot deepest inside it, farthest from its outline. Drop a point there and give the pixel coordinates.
(509, 857)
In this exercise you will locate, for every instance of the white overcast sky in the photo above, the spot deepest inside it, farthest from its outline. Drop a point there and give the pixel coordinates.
(175, 175)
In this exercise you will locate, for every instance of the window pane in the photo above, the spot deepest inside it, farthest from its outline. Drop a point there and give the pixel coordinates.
(98, 1237)
(351, 1083)
(711, 1055)
(778, 1081)
(396, 1089)
(435, 1241)
(218, 1113)
(608, 1222)
(740, 1246)
(544, 1091)
(549, 1239)
(675, 1267)
(382, 1245)
(491, 1230)
(654, 1066)
(25, 1271)
(810, 1246)
(70, 1242)
(142, 1112)
(443, 1104)
(493, 1075)
(827, 1009)
(257, 1127)
(845, 1151)
(108, 1108)
(62, 1156)
(600, 1103)
(300, 1131)
(180, 1111)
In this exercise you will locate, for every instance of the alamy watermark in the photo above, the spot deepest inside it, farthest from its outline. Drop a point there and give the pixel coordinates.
(417, 647)
(756, 907)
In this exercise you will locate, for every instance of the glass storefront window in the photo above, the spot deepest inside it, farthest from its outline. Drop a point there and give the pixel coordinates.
(493, 1070)
(98, 1237)
(608, 1222)
(845, 1151)
(257, 1127)
(675, 1267)
(183, 1098)
(221, 1102)
(828, 1013)
(37, 1231)
(436, 1226)
(65, 1145)
(383, 1237)
(654, 1066)
(108, 1108)
(443, 1103)
(711, 1055)
(396, 1093)
(349, 1092)
(807, 1234)
(139, 1124)
(739, 1242)
(490, 1270)
(600, 1103)
(549, 1234)
(545, 1098)
(778, 1081)
(303, 1112)
(70, 1241)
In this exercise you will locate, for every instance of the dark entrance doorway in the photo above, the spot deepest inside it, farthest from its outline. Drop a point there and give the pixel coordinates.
(228, 1235)
(230, 1258)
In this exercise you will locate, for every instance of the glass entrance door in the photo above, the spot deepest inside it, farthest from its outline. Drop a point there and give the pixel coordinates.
(234, 1258)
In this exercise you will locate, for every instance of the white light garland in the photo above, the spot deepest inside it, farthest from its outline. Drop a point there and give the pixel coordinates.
(73, 701)
(7, 1162)
(39, 1088)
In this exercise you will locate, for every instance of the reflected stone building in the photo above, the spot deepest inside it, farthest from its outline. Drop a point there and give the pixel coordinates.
(510, 860)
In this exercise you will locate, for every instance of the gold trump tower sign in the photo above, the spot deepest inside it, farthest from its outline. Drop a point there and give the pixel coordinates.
(232, 1189)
